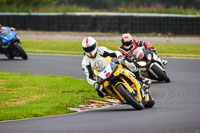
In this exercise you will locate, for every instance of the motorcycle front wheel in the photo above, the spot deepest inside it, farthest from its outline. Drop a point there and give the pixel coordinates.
(130, 99)
(161, 75)
(21, 51)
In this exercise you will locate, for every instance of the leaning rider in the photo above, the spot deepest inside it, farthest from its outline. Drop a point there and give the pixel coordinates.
(3, 29)
(4, 32)
(95, 58)
(128, 46)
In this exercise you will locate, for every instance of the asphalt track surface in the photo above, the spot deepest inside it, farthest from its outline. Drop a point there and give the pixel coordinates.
(177, 108)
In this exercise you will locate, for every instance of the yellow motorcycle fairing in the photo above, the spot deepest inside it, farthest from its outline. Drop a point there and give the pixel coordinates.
(135, 84)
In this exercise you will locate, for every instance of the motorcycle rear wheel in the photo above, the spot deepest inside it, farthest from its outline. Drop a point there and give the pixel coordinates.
(130, 99)
(161, 75)
(150, 104)
(10, 57)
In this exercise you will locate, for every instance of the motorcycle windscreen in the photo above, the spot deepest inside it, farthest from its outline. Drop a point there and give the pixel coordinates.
(11, 36)
(106, 73)
(138, 53)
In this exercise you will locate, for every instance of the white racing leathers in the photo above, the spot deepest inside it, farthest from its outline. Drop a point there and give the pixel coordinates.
(99, 62)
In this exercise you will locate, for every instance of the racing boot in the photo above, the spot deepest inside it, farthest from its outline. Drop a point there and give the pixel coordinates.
(141, 78)
(145, 88)
(100, 90)
(145, 93)
(101, 94)
(148, 101)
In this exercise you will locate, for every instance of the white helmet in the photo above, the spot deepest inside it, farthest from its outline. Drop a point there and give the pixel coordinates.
(89, 45)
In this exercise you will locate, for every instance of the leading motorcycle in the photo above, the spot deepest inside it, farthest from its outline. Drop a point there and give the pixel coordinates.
(150, 64)
(121, 84)
(11, 45)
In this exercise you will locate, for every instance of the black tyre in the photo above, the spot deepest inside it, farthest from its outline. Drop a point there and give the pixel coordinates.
(130, 99)
(150, 104)
(10, 57)
(161, 75)
(22, 53)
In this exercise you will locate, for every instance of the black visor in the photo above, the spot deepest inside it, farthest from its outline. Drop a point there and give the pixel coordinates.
(90, 49)
(127, 43)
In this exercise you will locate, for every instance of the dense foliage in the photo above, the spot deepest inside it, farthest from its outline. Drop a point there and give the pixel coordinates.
(138, 6)
(25, 2)
(108, 4)
(22, 5)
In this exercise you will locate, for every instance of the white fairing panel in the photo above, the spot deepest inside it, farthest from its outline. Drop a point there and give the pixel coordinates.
(138, 51)
(106, 72)
(156, 58)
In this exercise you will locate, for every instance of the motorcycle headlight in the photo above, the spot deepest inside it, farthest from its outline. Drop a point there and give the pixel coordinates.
(149, 57)
(142, 63)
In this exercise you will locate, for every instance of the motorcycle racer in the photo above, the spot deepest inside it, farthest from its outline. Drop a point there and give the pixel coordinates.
(4, 31)
(129, 45)
(95, 58)
(10, 44)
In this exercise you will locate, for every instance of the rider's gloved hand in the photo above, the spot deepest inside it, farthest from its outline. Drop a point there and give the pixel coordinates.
(147, 81)
(96, 86)
(145, 88)
(121, 59)
(99, 88)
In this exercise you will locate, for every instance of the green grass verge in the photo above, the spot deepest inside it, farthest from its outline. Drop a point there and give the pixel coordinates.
(74, 47)
(27, 95)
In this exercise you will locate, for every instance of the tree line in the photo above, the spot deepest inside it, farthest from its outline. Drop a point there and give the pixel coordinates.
(109, 4)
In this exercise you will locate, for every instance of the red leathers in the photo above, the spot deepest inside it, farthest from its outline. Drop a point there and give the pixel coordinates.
(129, 44)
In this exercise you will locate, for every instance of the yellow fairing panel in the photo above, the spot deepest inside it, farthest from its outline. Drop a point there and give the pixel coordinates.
(119, 70)
(136, 85)
(117, 97)
(126, 85)
(121, 98)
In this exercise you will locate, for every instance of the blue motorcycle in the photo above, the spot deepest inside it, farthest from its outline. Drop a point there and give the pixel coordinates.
(11, 45)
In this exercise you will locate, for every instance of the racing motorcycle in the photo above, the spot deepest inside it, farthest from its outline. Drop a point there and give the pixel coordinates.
(11, 45)
(121, 84)
(150, 64)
